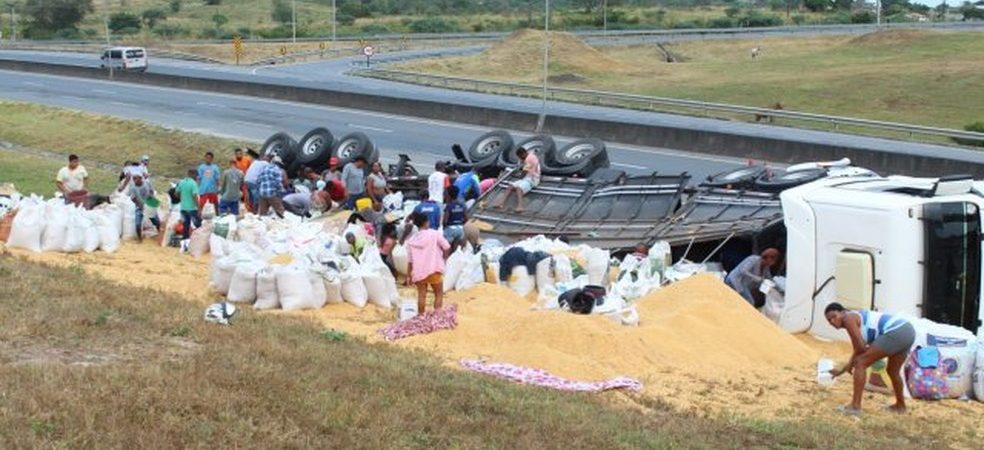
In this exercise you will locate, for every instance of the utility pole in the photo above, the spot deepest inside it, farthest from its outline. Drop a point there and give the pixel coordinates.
(334, 18)
(293, 20)
(109, 51)
(546, 64)
(604, 16)
(13, 22)
(878, 12)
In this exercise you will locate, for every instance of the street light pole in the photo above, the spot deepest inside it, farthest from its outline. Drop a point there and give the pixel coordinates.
(878, 13)
(546, 64)
(334, 18)
(604, 16)
(293, 20)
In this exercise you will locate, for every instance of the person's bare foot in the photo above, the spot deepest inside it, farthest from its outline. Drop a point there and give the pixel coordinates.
(519, 210)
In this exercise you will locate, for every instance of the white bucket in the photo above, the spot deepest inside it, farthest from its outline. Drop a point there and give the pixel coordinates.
(824, 378)
(408, 309)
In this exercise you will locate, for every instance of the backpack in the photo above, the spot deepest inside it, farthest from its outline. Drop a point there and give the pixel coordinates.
(925, 374)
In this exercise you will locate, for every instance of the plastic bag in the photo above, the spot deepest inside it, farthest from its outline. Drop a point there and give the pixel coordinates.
(401, 260)
(75, 232)
(354, 290)
(242, 285)
(376, 290)
(198, 244)
(266, 290)
(393, 202)
(28, 226)
(520, 280)
(453, 267)
(472, 274)
(109, 238)
(333, 288)
(55, 226)
(216, 245)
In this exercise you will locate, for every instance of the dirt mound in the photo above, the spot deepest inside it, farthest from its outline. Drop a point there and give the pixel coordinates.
(889, 37)
(522, 51)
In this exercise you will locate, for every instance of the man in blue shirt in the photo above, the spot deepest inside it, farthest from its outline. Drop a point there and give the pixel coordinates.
(208, 182)
(468, 187)
(455, 215)
(429, 208)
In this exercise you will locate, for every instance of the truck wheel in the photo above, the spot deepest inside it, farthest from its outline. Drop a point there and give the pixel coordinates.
(580, 150)
(490, 145)
(315, 147)
(782, 180)
(541, 144)
(282, 145)
(740, 178)
(352, 146)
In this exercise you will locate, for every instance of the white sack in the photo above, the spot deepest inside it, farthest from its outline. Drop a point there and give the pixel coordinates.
(453, 267)
(376, 290)
(333, 288)
(521, 281)
(27, 227)
(294, 288)
(266, 290)
(55, 226)
(242, 286)
(354, 290)
(401, 260)
(472, 274)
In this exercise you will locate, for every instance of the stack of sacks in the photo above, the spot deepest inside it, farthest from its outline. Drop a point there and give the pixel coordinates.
(53, 226)
(295, 264)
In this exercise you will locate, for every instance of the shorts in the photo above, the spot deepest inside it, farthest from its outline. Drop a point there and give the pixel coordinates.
(229, 207)
(454, 232)
(212, 198)
(525, 185)
(432, 279)
(899, 340)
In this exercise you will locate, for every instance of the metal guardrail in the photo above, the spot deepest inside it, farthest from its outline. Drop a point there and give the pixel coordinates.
(633, 101)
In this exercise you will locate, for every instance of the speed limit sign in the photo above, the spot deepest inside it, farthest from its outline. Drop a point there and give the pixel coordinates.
(368, 51)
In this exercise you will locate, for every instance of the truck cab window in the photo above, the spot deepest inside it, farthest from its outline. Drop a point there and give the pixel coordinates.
(953, 263)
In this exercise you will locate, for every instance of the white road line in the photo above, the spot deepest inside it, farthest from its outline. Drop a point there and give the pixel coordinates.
(630, 166)
(122, 104)
(104, 92)
(367, 127)
(33, 83)
(252, 124)
(211, 105)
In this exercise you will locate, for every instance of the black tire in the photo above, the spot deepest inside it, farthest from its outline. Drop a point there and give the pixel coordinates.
(352, 146)
(782, 180)
(581, 150)
(315, 147)
(541, 144)
(282, 145)
(740, 178)
(373, 157)
(489, 146)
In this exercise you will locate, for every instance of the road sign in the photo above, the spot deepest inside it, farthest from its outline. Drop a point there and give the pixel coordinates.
(368, 50)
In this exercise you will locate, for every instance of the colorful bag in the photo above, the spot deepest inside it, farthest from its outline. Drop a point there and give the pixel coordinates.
(925, 375)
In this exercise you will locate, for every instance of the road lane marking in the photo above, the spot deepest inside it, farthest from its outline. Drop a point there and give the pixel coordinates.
(104, 92)
(630, 166)
(252, 124)
(211, 105)
(129, 105)
(33, 83)
(367, 127)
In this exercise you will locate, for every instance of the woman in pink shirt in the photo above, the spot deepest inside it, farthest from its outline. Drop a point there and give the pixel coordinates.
(425, 252)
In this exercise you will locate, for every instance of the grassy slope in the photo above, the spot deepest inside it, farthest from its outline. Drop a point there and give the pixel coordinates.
(36, 174)
(87, 363)
(922, 78)
(106, 139)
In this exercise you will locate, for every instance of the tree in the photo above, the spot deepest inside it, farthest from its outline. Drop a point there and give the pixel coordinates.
(54, 15)
(213, 2)
(152, 16)
(219, 20)
(282, 12)
(817, 5)
(971, 12)
(175, 6)
(124, 22)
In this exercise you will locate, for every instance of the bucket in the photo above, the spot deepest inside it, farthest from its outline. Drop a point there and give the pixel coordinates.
(408, 309)
(363, 203)
(824, 378)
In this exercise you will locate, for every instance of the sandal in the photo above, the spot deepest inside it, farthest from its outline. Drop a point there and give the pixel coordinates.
(849, 411)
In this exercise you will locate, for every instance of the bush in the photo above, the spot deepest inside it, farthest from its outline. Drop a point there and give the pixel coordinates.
(434, 25)
(685, 25)
(721, 22)
(755, 19)
(124, 21)
(798, 19)
(213, 2)
(219, 20)
(375, 28)
(977, 127)
(345, 19)
(152, 16)
(863, 17)
(68, 34)
(175, 6)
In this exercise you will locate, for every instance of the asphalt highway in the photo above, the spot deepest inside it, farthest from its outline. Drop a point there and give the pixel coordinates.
(254, 119)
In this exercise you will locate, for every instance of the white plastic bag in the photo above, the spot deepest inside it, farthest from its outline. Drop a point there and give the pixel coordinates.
(198, 244)
(293, 287)
(376, 290)
(958, 350)
(216, 245)
(75, 232)
(563, 271)
(521, 281)
(128, 210)
(393, 202)
(472, 274)
(597, 265)
(333, 288)
(400, 260)
(109, 237)
(266, 290)
(660, 257)
(55, 226)
(242, 286)
(453, 267)
(354, 290)
(27, 227)
(544, 274)
(224, 269)
(91, 237)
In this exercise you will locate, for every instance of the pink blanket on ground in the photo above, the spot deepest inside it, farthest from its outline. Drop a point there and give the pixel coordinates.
(445, 318)
(542, 378)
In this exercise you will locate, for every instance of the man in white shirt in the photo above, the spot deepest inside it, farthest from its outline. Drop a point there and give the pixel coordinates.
(72, 178)
(436, 182)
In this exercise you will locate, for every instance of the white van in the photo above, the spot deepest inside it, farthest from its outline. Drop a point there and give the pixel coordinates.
(125, 58)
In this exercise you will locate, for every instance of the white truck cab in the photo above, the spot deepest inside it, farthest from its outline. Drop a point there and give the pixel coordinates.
(125, 58)
(902, 245)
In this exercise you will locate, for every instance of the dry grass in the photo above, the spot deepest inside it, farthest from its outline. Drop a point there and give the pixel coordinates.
(105, 139)
(914, 77)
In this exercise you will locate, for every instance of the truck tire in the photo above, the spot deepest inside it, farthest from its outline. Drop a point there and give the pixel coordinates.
(581, 150)
(740, 178)
(489, 146)
(542, 145)
(315, 147)
(352, 146)
(780, 181)
(282, 145)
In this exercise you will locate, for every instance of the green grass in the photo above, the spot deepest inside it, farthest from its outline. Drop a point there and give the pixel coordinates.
(103, 139)
(922, 78)
(36, 174)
